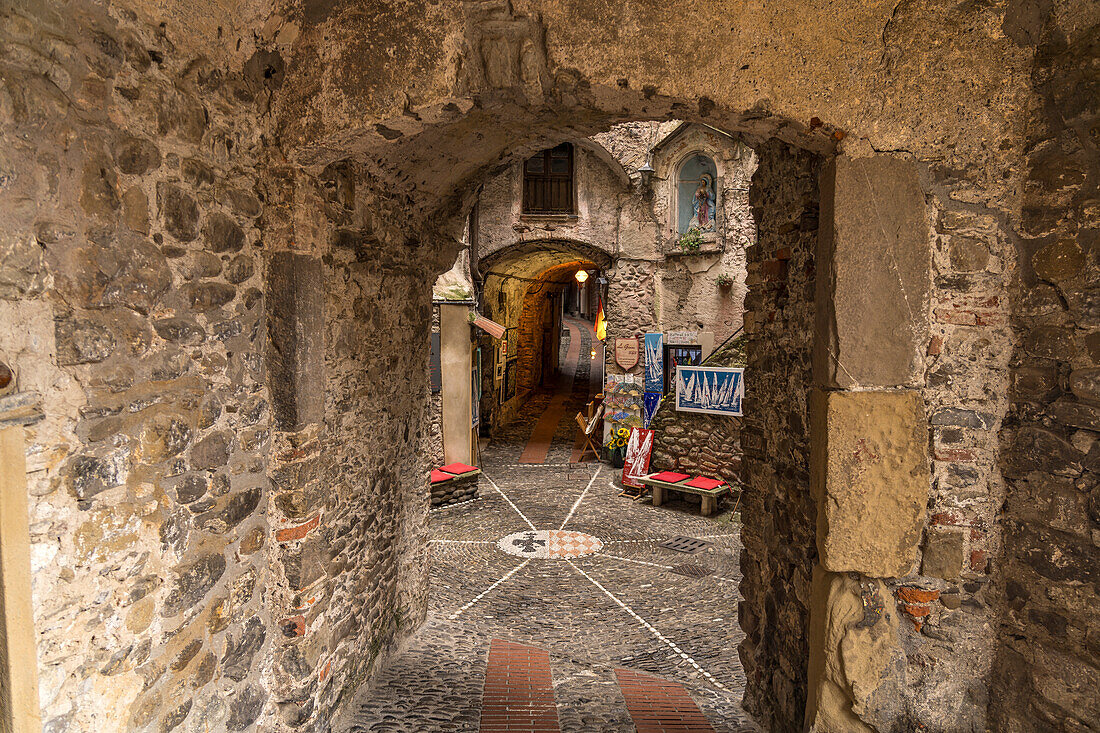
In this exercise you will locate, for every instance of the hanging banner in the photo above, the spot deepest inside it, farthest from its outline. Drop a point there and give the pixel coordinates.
(710, 390)
(654, 363)
(639, 447)
(626, 352)
(650, 402)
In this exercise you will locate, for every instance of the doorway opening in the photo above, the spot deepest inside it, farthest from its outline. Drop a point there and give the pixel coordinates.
(550, 553)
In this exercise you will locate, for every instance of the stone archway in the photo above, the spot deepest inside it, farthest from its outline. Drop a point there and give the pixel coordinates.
(325, 156)
(520, 281)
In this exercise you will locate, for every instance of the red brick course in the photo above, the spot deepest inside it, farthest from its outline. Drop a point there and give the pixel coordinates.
(296, 533)
(657, 705)
(519, 694)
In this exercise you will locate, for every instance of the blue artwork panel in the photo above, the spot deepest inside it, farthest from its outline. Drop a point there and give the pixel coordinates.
(650, 402)
(710, 390)
(654, 363)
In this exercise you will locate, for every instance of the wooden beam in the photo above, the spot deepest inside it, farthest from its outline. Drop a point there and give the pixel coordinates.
(18, 653)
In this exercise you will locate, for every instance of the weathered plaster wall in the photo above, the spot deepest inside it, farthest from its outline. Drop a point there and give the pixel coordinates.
(600, 192)
(779, 516)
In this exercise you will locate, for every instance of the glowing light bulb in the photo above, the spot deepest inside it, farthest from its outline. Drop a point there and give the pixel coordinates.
(581, 276)
(593, 353)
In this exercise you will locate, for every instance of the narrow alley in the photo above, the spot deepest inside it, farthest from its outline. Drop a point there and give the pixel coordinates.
(595, 590)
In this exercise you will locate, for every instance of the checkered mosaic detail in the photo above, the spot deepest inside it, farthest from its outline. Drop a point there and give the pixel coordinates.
(550, 544)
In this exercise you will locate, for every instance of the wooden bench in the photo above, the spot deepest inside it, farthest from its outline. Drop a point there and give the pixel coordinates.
(660, 485)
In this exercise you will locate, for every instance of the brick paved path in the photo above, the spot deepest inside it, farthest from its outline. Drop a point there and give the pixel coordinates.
(630, 605)
(518, 696)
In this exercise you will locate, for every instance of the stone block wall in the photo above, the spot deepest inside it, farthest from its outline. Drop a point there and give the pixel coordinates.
(699, 444)
(227, 506)
(1047, 673)
(349, 487)
(779, 514)
(131, 299)
(704, 444)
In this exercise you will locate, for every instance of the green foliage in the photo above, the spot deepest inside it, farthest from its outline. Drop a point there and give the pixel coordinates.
(691, 240)
(725, 281)
(455, 292)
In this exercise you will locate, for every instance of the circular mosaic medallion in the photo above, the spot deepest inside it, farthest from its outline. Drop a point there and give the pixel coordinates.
(550, 544)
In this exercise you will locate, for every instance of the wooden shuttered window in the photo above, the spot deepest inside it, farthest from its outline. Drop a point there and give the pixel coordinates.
(548, 182)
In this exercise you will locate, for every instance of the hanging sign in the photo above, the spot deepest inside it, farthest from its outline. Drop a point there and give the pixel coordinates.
(626, 352)
(654, 363)
(682, 337)
(639, 447)
(710, 390)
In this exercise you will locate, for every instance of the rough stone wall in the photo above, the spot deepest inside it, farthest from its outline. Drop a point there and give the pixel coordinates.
(946, 607)
(534, 315)
(704, 444)
(350, 491)
(708, 445)
(779, 526)
(371, 541)
(1046, 675)
(132, 302)
(220, 539)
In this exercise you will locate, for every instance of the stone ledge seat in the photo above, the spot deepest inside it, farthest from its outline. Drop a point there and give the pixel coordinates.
(453, 484)
(453, 471)
(710, 489)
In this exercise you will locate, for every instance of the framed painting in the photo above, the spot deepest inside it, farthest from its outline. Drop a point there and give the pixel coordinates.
(710, 390)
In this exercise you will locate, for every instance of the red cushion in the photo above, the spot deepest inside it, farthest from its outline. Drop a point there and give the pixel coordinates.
(439, 476)
(458, 468)
(669, 476)
(702, 482)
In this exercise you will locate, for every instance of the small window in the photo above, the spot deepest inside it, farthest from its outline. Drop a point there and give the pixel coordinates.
(548, 182)
(675, 355)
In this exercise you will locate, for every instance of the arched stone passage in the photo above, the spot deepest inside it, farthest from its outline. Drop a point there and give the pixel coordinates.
(256, 564)
(522, 284)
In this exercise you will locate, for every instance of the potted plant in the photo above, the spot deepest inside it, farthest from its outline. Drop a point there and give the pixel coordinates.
(725, 282)
(691, 240)
(616, 446)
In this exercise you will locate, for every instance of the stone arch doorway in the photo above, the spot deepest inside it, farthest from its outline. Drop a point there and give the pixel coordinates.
(788, 304)
(429, 99)
(527, 287)
(792, 185)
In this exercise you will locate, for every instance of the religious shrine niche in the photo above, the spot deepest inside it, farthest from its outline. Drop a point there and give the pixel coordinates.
(696, 194)
(701, 180)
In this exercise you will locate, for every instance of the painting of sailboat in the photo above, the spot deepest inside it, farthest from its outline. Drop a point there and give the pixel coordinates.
(710, 390)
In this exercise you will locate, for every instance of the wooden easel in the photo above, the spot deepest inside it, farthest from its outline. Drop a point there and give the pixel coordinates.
(588, 428)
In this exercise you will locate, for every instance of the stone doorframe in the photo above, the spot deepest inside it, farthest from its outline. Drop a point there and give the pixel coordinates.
(869, 434)
(19, 710)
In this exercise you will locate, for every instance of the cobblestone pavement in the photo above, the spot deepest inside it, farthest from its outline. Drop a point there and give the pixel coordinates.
(629, 604)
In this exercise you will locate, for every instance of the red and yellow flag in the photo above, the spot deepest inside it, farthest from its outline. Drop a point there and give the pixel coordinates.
(601, 323)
